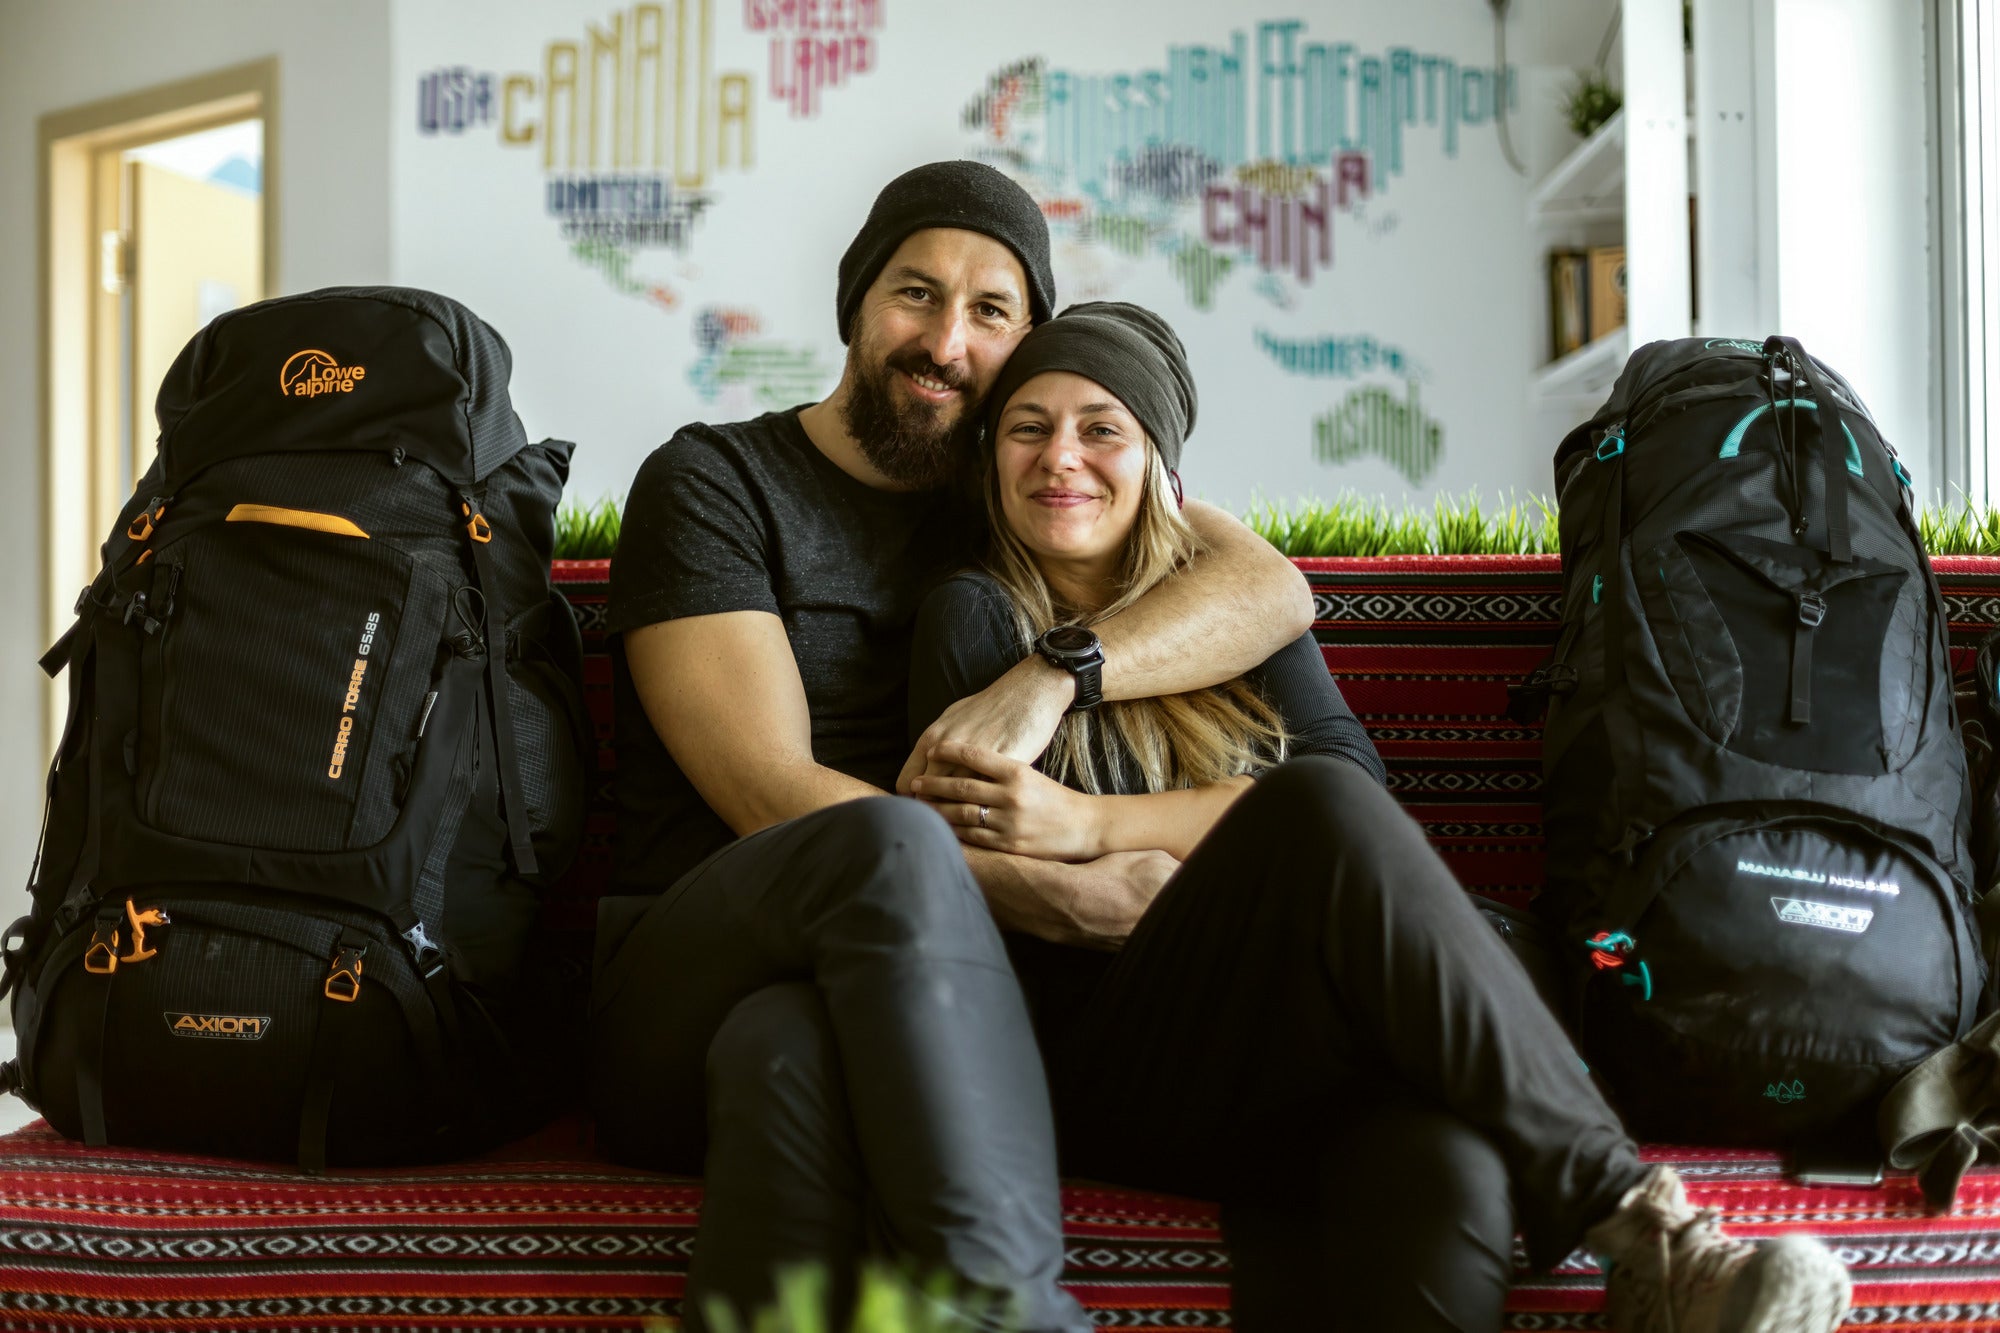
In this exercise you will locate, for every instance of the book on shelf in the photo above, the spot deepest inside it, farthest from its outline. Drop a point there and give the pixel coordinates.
(1569, 301)
(1606, 302)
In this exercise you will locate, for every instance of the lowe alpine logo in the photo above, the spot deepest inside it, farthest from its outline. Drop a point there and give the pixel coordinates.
(1786, 1093)
(218, 1027)
(311, 373)
(1827, 916)
(1738, 343)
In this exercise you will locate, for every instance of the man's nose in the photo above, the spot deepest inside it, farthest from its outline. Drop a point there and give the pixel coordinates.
(944, 341)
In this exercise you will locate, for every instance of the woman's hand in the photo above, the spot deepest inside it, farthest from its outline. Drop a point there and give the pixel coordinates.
(1005, 805)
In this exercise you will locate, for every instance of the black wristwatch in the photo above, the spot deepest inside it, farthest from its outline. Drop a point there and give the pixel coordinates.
(1077, 651)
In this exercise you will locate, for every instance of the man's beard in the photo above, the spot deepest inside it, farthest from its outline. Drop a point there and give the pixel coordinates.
(914, 444)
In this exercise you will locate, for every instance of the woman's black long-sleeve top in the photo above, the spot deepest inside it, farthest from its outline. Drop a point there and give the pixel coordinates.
(965, 640)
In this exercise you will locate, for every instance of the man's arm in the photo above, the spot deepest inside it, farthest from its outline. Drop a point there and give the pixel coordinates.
(1223, 614)
(724, 694)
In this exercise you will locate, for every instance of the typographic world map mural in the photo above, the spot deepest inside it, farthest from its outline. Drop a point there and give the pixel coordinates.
(1270, 184)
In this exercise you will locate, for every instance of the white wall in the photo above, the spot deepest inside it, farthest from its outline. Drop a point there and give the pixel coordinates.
(333, 221)
(1851, 235)
(1437, 265)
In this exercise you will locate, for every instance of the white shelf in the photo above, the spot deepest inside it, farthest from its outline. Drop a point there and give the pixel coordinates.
(1588, 371)
(1589, 184)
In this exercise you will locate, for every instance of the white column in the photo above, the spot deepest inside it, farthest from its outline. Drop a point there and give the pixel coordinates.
(1731, 300)
(1656, 172)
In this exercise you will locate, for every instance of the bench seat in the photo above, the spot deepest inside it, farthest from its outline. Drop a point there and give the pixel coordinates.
(544, 1234)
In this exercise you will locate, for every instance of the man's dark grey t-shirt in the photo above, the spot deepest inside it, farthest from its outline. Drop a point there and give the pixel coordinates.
(751, 516)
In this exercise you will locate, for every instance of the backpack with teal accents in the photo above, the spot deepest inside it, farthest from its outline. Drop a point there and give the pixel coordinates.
(1755, 793)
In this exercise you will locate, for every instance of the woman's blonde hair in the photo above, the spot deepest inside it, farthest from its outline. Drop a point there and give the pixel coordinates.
(1175, 740)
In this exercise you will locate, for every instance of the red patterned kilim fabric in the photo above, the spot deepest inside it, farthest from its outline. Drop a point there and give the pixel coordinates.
(546, 1235)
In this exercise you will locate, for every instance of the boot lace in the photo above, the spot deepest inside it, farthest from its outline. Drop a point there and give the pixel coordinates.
(1693, 1253)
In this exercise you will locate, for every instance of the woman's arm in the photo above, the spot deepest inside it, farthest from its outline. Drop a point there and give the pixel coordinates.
(1000, 803)
(1004, 805)
(1214, 620)
(964, 639)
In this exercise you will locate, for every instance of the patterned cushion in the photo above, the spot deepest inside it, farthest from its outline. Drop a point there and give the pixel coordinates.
(546, 1235)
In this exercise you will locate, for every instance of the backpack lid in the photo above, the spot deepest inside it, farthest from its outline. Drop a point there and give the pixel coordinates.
(361, 368)
(1691, 368)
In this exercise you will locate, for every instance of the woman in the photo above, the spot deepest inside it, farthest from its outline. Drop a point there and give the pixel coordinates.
(1309, 1022)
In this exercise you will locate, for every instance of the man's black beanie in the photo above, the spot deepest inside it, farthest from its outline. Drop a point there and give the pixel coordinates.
(1126, 348)
(970, 196)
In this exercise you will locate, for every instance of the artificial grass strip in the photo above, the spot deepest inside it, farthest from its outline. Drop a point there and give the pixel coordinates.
(1352, 524)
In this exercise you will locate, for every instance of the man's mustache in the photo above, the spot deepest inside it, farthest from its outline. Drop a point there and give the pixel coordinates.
(916, 363)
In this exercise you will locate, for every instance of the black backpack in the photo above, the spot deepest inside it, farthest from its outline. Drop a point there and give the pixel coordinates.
(323, 753)
(1756, 801)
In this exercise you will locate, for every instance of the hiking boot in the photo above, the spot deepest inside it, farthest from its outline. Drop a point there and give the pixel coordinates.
(1672, 1270)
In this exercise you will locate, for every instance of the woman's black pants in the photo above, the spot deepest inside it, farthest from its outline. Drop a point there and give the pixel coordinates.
(1313, 1025)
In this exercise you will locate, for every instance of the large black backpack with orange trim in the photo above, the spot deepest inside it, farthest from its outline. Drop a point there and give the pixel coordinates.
(1756, 799)
(322, 754)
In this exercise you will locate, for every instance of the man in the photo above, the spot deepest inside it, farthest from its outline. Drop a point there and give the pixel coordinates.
(806, 997)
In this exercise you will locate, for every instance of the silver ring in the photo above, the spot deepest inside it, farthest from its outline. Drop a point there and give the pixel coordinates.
(983, 812)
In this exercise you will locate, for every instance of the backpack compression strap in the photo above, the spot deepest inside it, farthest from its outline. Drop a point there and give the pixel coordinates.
(479, 535)
(1833, 455)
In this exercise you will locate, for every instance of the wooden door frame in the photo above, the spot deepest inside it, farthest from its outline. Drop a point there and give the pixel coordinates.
(75, 327)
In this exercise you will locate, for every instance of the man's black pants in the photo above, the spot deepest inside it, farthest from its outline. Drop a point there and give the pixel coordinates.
(821, 1019)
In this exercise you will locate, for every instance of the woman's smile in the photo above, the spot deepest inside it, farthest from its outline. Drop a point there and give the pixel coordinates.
(1060, 497)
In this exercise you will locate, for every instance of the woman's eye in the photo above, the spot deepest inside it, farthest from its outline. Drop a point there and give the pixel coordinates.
(916, 293)
(990, 311)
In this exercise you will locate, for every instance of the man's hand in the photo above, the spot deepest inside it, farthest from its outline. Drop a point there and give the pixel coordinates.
(1113, 892)
(1008, 806)
(1093, 904)
(1015, 716)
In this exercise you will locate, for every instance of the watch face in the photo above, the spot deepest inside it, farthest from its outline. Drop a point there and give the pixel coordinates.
(1070, 639)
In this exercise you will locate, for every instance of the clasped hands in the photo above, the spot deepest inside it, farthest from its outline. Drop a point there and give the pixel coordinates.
(974, 766)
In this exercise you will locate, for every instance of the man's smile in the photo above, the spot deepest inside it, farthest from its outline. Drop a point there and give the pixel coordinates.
(930, 390)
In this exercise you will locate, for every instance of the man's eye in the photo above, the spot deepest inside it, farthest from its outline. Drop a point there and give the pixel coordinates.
(989, 311)
(916, 293)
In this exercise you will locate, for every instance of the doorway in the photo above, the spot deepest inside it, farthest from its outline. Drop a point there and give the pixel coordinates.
(158, 213)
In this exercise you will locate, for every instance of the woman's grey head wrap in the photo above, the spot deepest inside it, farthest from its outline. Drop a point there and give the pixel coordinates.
(1129, 350)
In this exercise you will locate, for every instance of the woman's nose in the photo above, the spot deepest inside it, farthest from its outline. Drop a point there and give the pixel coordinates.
(1063, 451)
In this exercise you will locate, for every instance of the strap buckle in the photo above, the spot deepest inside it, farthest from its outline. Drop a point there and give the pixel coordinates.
(1812, 610)
(427, 955)
(137, 610)
(142, 526)
(343, 978)
(101, 958)
(476, 526)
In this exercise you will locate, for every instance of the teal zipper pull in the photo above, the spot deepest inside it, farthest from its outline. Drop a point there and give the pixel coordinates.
(1613, 443)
